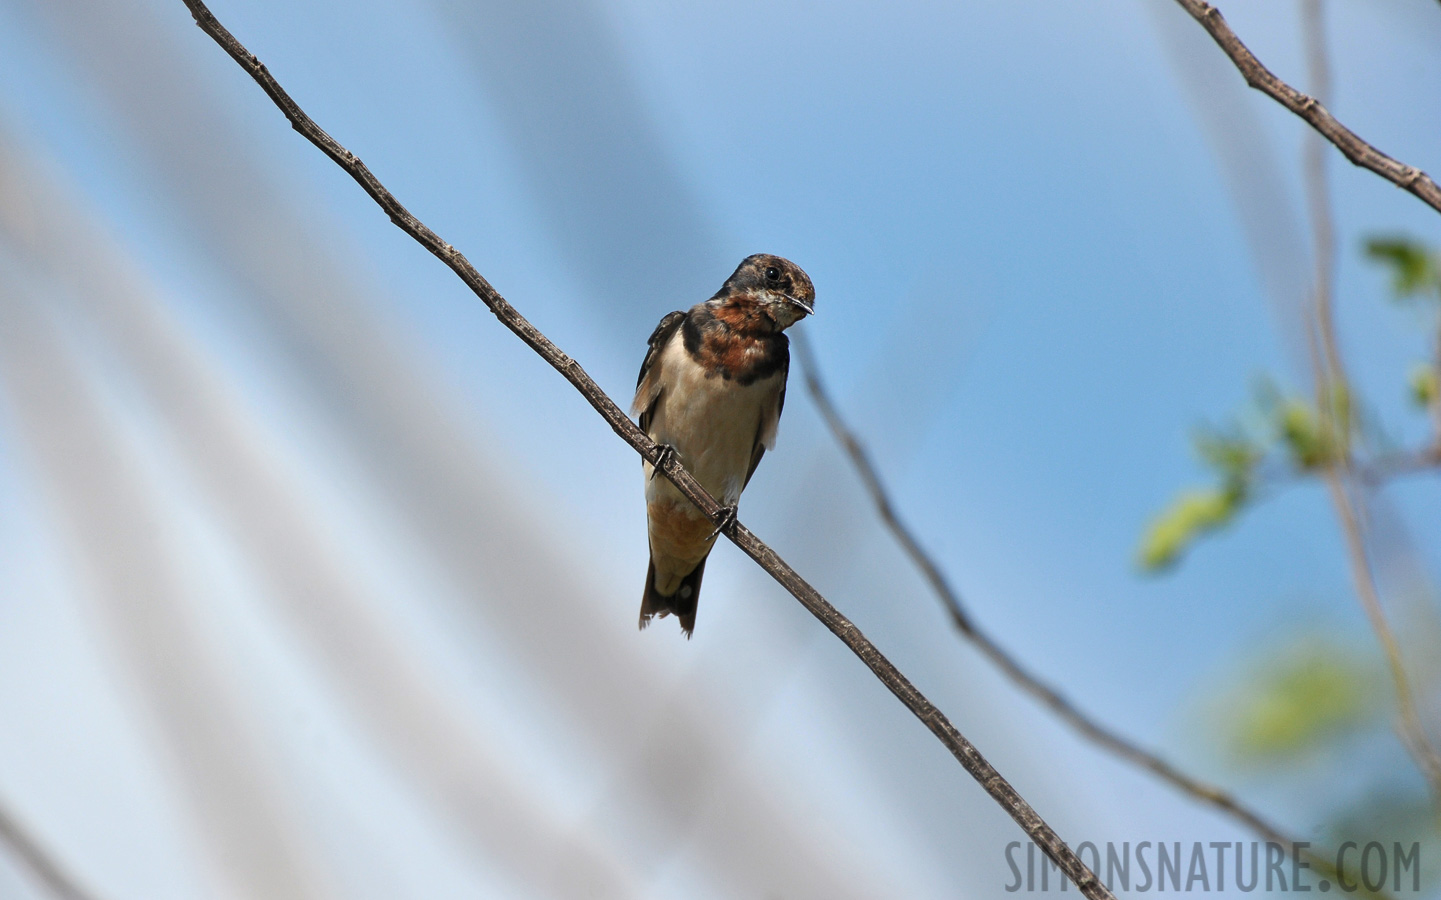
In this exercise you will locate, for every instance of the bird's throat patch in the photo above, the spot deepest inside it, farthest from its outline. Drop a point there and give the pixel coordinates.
(735, 341)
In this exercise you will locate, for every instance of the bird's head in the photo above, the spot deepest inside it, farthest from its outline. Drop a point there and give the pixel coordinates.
(779, 287)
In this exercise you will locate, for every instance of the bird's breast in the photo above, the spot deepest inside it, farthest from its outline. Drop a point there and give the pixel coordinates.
(712, 422)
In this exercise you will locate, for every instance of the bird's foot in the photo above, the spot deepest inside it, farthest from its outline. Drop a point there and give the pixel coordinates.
(664, 453)
(727, 519)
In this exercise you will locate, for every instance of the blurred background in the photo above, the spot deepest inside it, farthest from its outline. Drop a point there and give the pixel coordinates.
(315, 582)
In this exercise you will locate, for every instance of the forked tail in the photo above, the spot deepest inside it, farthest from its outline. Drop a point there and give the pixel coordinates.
(682, 603)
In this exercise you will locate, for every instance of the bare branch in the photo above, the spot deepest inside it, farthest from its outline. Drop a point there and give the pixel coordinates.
(1022, 677)
(1327, 369)
(1333, 403)
(965, 624)
(1412, 731)
(1383, 468)
(968, 756)
(1351, 146)
(40, 863)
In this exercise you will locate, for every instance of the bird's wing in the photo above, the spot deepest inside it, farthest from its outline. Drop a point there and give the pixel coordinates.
(770, 421)
(648, 383)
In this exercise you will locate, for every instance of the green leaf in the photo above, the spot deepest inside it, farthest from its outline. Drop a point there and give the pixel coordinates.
(1232, 454)
(1425, 386)
(1190, 515)
(1300, 699)
(1300, 430)
(1413, 266)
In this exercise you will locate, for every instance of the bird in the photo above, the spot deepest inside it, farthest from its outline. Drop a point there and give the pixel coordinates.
(710, 393)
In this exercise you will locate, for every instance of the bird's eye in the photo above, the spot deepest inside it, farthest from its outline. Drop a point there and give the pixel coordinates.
(773, 274)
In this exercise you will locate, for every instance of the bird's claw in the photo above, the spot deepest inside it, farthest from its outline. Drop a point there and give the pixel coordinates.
(727, 519)
(664, 453)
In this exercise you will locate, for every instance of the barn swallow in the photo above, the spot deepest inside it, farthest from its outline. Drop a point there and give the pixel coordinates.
(711, 391)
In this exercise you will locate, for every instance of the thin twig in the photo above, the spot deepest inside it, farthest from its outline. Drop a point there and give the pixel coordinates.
(1335, 416)
(1351, 146)
(40, 863)
(966, 753)
(1013, 669)
(1329, 374)
(1433, 406)
(1394, 465)
(1413, 732)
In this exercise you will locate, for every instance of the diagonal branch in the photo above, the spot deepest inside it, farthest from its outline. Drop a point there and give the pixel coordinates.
(1016, 671)
(41, 864)
(1101, 735)
(1347, 141)
(966, 753)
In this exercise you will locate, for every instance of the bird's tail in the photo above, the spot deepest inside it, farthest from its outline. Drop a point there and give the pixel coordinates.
(682, 603)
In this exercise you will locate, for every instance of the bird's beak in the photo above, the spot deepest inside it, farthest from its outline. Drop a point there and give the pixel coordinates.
(802, 305)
